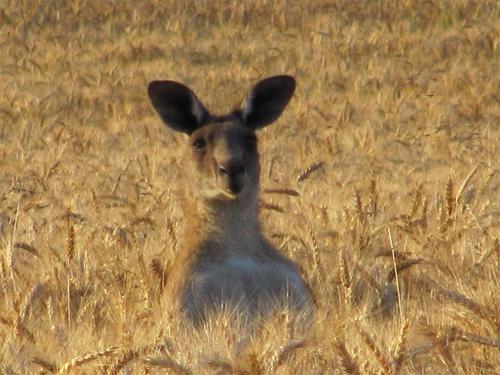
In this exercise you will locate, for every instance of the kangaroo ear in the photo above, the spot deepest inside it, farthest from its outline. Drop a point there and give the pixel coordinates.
(177, 105)
(266, 101)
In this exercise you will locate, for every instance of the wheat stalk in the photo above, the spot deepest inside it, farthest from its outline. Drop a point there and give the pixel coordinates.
(291, 192)
(28, 248)
(347, 362)
(126, 335)
(10, 252)
(44, 363)
(20, 329)
(57, 329)
(70, 248)
(464, 184)
(167, 363)
(423, 217)
(441, 343)
(381, 358)
(7, 369)
(171, 233)
(132, 355)
(124, 360)
(494, 249)
(401, 267)
(85, 358)
(374, 198)
(270, 206)
(345, 279)
(393, 251)
(450, 198)
(97, 206)
(309, 170)
(399, 352)
(157, 268)
(358, 203)
(34, 294)
(315, 250)
(284, 353)
(224, 366)
(456, 334)
(417, 200)
(476, 308)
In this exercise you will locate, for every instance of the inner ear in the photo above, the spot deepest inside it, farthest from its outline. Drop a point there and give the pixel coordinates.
(177, 105)
(266, 101)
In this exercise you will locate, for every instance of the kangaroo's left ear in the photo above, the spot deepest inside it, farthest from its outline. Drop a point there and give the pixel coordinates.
(266, 101)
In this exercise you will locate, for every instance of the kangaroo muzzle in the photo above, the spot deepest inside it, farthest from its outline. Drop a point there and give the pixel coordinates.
(231, 177)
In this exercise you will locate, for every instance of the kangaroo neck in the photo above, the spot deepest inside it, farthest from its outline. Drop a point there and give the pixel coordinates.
(222, 220)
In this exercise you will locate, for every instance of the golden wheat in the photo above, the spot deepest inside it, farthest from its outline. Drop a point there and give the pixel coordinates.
(85, 358)
(394, 124)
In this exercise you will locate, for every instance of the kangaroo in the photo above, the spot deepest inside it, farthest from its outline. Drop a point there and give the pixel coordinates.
(225, 261)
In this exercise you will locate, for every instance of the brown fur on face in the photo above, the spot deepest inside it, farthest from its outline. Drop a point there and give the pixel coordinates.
(225, 261)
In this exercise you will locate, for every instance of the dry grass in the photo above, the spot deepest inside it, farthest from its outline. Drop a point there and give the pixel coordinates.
(381, 180)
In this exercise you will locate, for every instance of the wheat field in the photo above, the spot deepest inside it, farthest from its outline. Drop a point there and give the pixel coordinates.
(380, 180)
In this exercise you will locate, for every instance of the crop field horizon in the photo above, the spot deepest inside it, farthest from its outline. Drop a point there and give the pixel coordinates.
(380, 180)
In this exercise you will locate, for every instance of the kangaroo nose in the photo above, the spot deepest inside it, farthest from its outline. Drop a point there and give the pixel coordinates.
(233, 169)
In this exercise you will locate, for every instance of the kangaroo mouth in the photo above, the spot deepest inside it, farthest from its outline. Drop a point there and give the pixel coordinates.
(232, 189)
(232, 193)
(235, 188)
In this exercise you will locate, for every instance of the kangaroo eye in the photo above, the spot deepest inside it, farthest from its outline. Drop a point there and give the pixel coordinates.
(200, 144)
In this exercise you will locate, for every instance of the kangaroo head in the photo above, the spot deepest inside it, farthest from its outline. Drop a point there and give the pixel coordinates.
(223, 161)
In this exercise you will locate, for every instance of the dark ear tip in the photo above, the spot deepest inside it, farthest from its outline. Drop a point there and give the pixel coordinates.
(166, 87)
(287, 82)
(290, 80)
(155, 88)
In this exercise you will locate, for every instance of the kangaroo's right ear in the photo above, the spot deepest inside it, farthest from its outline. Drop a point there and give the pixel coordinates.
(177, 105)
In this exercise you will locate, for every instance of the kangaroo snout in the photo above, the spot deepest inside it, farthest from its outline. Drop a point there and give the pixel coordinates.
(231, 176)
(231, 169)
